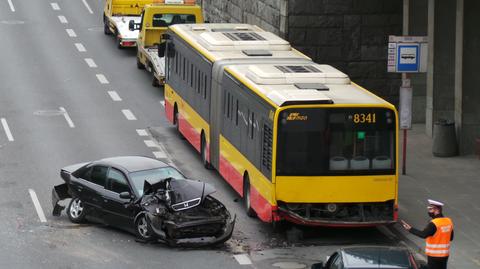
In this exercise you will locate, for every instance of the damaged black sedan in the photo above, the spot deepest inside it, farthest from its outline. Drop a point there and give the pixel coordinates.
(144, 196)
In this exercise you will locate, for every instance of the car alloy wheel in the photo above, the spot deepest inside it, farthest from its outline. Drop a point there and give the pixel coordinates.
(143, 231)
(76, 210)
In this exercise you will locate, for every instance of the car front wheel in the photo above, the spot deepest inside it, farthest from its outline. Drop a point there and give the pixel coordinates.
(76, 210)
(142, 230)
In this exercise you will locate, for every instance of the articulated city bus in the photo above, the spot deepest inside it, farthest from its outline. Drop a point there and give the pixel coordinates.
(297, 140)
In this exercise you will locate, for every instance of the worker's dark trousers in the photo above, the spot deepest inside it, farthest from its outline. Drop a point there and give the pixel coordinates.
(437, 262)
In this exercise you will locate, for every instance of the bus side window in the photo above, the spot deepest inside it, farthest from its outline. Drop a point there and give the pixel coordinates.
(183, 68)
(191, 75)
(236, 113)
(198, 81)
(205, 88)
(228, 106)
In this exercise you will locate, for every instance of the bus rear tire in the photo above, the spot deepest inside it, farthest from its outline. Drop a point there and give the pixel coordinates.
(203, 153)
(246, 198)
(177, 122)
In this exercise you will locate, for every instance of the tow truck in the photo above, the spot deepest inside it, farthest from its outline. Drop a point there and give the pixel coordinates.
(155, 19)
(116, 16)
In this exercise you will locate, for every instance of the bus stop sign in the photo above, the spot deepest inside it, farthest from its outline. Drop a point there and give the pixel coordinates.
(407, 54)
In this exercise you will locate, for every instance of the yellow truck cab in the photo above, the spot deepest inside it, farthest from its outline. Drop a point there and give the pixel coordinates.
(155, 19)
(116, 16)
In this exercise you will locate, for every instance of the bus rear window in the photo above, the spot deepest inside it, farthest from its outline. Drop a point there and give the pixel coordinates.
(336, 141)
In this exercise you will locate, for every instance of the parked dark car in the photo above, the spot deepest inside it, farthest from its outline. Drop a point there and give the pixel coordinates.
(144, 196)
(370, 257)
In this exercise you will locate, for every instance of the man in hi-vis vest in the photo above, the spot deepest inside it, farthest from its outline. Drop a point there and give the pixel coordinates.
(438, 234)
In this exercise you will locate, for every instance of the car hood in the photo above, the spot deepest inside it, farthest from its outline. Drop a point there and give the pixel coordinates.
(182, 190)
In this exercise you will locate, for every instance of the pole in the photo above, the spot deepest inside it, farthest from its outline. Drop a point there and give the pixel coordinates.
(406, 7)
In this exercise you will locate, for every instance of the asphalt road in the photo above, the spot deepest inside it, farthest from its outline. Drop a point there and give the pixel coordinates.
(68, 95)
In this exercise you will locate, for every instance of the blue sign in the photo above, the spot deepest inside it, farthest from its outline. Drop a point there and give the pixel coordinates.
(408, 59)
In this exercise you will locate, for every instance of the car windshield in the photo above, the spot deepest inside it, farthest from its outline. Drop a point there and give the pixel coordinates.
(153, 176)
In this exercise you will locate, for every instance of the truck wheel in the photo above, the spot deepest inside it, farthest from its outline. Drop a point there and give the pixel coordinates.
(106, 30)
(118, 41)
(139, 63)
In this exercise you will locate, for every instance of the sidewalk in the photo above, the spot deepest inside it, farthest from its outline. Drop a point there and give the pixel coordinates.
(456, 182)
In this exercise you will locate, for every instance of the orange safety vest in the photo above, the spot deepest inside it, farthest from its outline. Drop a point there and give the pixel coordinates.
(438, 245)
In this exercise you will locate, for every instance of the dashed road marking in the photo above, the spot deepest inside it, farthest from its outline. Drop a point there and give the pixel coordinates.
(150, 143)
(87, 6)
(10, 3)
(159, 154)
(114, 95)
(142, 132)
(128, 114)
(90, 63)
(7, 130)
(71, 33)
(55, 6)
(37, 205)
(62, 19)
(242, 259)
(80, 47)
(67, 117)
(102, 79)
(162, 103)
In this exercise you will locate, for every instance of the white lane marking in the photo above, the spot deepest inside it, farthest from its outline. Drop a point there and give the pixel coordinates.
(7, 129)
(102, 79)
(159, 154)
(87, 6)
(150, 143)
(80, 47)
(62, 19)
(242, 259)
(12, 8)
(162, 103)
(142, 132)
(37, 205)
(90, 63)
(128, 114)
(67, 117)
(55, 6)
(114, 95)
(71, 33)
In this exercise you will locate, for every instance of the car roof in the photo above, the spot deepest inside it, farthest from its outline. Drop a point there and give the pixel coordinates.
(133, 163)
(376, 257)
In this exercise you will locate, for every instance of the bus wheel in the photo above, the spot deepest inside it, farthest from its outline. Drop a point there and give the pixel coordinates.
(176, 122)
(203, 153)
(246, 198)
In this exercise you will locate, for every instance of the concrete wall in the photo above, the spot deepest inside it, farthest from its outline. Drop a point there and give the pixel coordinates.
(351, 35)
(470, 128)
(268, 14)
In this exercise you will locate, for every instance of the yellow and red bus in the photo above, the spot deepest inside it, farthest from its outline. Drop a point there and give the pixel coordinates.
(296, 139)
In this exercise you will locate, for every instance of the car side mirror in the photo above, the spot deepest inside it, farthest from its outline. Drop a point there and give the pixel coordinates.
(125, 195)
(318, 265)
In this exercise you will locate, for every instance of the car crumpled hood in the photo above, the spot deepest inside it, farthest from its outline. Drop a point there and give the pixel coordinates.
(182, 190)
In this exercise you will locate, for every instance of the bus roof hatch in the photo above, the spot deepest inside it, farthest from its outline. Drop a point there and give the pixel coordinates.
(289, 74)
